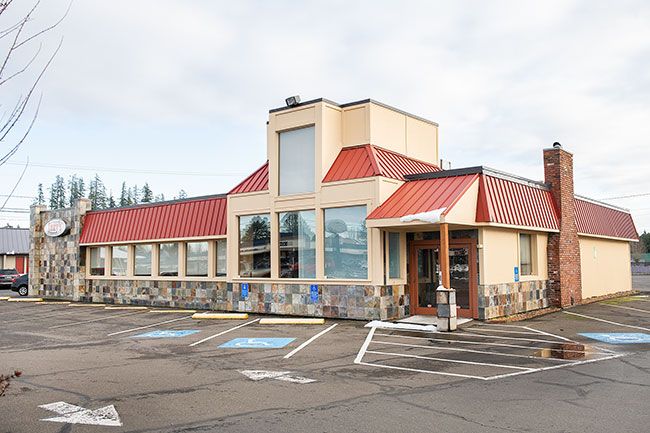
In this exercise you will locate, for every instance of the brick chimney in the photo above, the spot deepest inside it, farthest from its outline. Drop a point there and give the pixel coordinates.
(563, 248)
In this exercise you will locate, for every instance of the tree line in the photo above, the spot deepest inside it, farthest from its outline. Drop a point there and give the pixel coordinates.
(63, 193)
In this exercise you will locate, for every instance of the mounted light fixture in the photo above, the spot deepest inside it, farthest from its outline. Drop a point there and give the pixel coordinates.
(292, 101)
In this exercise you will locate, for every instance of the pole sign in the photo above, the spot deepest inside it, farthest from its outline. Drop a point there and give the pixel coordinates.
(313, 291)
(55, 227)
(244, 290)
(516, 274)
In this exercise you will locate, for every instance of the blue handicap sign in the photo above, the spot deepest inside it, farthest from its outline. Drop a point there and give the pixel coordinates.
(257, 343)
(244, 290)
(313, 291)
(516, 274)
(619, 337)
(167, 334)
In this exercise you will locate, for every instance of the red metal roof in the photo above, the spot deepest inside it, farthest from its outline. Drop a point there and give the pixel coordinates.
(514, 203)
(181, 219)
(367, 160)
(258, 181)
(424, 195)
(596, 219)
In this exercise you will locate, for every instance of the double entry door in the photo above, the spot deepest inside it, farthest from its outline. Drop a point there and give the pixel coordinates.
(425, 275)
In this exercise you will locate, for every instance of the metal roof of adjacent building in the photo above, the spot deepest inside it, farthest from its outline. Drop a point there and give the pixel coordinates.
(14, 240)
(258, 181)
(188, 218)
(423, 196)
(367, 160)
(604, 220)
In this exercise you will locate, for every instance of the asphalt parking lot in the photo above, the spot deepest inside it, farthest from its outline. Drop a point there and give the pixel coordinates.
(139, 371)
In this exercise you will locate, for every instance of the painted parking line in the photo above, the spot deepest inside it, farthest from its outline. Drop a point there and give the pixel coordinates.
(42, 316)
(455, 361)
(147, 326)
(308, 342)
(606, 321)
(100, 319)
(550, 335)
(501, 337)
(222, 333)
(628, 308)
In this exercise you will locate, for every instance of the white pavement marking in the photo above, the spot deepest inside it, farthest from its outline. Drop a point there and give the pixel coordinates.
(416, 370)
(112, 316)
(306, 343)
(481, 328)
(500, 337)
(606, 321)
(456, 361)
(364, 346)
(628, 308)
(403, 326)
(480, 343)
(43, 316)
(71, 414)
(276, 375)
(553, 367)
(457, 349)
(147, 326)
(222, 332)
(549, 334)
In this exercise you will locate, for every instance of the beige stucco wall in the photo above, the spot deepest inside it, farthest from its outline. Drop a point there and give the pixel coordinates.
(499, 254)
(8, 262)
(464, 211)
(605, 266)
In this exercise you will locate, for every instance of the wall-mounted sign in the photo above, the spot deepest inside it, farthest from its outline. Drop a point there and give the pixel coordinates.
(516, 274)
(313, 291)
(56, 227)
(244, 290)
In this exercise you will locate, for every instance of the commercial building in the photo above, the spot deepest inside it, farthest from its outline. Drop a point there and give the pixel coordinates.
(14, 249)
(352, 217)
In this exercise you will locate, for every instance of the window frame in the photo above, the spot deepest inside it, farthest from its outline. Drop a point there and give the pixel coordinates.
(279, 246)
(279, 163)
(90, 260)
(215, 259)
(271, 224)
(532, 244)
(369, 271)
(207, 259)
(135, 260)
(400, 275)
(179, 258)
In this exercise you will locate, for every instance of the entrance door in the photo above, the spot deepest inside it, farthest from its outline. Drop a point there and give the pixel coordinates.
(424, 275)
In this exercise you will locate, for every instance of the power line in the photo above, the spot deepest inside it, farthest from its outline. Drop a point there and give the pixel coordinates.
(627, 196)
(17, 196)
(127, 170)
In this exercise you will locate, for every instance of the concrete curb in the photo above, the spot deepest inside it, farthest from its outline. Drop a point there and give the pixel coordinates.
(126, 307)
(289, 321)
(86, 305)
(5, 298)
(173, 311)
(25, 300)
(53, 303)
(221, 316)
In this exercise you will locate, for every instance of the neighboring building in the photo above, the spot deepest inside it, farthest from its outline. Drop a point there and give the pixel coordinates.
(14, 249)
(349, 217)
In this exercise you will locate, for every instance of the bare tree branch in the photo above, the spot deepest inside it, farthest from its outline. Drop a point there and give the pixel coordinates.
(47, 29)
(15, 74)
(15, 186)
(9, 154)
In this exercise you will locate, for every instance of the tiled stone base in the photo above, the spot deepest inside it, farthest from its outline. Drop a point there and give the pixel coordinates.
(336, 301)
(497, 300)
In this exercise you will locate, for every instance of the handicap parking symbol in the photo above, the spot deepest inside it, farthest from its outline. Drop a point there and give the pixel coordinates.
(619, 337)
(167, 334)
(257, 343)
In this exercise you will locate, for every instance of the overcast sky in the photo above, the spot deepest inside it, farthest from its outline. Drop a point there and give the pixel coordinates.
(144, 87)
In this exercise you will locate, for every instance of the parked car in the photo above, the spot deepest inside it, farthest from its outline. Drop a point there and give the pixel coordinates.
(21, 285)
(7, 277)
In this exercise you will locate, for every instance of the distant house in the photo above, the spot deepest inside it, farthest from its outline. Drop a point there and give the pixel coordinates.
(14, 249)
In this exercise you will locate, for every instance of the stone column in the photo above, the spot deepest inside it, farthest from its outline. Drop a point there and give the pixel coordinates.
(35, 247)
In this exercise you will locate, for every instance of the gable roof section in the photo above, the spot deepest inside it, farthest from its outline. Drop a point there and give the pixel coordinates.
(512, 202)
(195, 217)
(598, 219)
(423, 196)
(258, 181)
(14, 240)
(363, 161)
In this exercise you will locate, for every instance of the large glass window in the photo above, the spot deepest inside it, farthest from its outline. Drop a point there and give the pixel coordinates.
(297, 161)
(168, 260)
(222, 258)
(98, 261)
(255, 246)
(346, 243)
(119, 261)
(197, 259)
(142, 260)
(393, 256)
(298, 244)
(525, 254)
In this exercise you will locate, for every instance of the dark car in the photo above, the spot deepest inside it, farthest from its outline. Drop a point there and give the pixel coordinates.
(21, 285)
(7, 277)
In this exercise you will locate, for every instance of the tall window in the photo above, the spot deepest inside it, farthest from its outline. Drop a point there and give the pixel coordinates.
(119, 261)
(298, 244)
(197, 259)
(297, 161)
(525, 254)
(168, 260)
(222, 258)
(98, 261)
(346, 243)
(393, 256)
(142, 260)
(255, 246)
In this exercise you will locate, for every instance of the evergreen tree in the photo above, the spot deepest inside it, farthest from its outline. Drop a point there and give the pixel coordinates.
(111, 201)
(97, 193)
(135, 194)
(40, 196)
(81, 187)
(124, 196)
(159, 197)
(147, 194)
(73, 189)
(57, 193)
(181, 195)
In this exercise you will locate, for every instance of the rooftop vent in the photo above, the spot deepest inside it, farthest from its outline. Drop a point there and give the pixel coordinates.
(557, 145)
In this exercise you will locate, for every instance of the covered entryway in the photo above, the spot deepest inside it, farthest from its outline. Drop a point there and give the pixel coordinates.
(425, 272)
